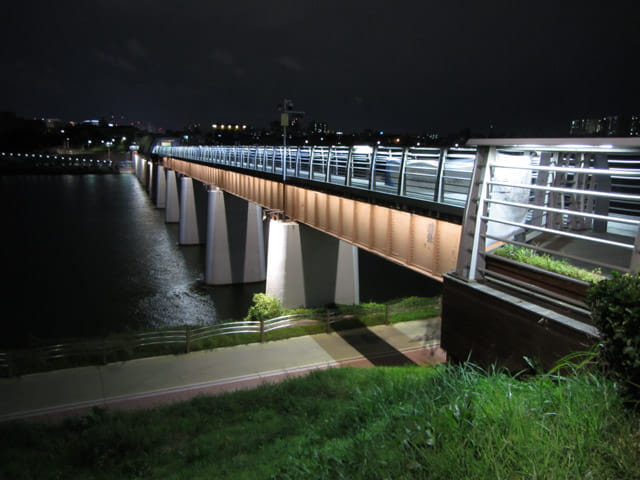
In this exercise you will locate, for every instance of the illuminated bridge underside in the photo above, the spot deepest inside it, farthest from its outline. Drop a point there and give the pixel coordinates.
(424, 244)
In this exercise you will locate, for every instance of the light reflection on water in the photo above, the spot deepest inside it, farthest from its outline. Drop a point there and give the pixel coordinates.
(89, 255)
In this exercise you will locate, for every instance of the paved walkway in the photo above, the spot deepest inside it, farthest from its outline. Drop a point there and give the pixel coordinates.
(146, 382)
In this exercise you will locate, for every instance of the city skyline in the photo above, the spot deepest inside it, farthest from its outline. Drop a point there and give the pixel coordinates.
(411, 67)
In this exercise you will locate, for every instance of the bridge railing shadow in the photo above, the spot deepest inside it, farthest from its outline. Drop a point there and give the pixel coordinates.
(371, 346)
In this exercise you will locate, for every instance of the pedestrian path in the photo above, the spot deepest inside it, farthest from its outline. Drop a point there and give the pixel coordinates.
(146, 382)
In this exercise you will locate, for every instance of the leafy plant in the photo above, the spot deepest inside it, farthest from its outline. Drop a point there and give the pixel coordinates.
(264, 307)
(615, 307)
(546, 262)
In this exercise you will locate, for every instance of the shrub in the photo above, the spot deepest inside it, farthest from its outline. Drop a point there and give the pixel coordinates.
(264, 307)
(615, 307)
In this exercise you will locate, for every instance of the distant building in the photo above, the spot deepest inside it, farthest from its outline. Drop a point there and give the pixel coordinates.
(319, 127)
(609, 126)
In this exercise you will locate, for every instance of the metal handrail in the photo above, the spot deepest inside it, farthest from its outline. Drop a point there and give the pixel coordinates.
(555, 201)
(430, 174)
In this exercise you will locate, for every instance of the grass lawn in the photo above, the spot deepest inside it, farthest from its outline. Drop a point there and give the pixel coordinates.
(443, 422)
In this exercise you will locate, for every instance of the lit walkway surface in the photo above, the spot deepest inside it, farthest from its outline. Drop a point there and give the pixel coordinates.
(152, 381)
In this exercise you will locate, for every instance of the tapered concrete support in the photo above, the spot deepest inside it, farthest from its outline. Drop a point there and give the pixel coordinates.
(235, 240)
(172, 198)
(136, 166)
(151, 179)
(347, 290)
(193, 212)
(159, 191)
(307, 268)
(146, 173)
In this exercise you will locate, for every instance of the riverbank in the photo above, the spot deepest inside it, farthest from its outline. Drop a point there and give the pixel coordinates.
(156, 380)
(66, 353)
(390, 422)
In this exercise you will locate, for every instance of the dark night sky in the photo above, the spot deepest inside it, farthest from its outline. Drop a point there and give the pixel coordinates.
(404, 66)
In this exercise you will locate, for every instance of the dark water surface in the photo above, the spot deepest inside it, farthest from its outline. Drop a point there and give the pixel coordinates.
(88, 255)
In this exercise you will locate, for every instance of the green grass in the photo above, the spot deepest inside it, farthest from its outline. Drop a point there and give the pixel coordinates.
(546, 262)
(398, 422)
(369, 314)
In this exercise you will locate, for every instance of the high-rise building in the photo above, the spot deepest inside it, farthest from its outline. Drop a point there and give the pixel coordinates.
(609, 126)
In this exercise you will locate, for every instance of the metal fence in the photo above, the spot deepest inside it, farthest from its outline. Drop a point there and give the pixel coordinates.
(439, 175)
(174, 340)
(44, 160)
(575, 203)
(98, 350)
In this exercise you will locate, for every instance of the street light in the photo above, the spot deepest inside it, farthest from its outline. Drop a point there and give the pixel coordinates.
(286, 108)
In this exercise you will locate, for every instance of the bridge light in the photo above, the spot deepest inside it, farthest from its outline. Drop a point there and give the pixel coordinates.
(214, 126)
(364, 149)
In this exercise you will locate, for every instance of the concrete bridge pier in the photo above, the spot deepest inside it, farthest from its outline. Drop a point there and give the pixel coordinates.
(136, 160)
(172, 198)
(193, 212)
(307, 268)
(151, 179)
(158, 187)
(235, 250)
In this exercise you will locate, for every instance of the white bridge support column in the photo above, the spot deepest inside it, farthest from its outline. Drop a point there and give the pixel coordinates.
(308, 268)
(159, 189)
(172, 199)
(146, 174)
(137, 161)
(234, 240)
(193, 212)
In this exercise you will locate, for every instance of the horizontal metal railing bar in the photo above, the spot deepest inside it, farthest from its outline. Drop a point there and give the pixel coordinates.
(565, 211)
(588, 170)
(560, 233)
(538, 248)
(146, 344)
(537, 292)
(574, 191)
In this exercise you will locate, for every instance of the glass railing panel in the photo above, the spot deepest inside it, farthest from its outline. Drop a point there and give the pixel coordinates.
(456, 177)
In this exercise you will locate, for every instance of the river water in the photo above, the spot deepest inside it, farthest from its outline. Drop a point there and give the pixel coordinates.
(89, 255)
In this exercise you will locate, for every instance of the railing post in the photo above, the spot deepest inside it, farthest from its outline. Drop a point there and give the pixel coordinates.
(326, 323)
(402, 171)
(188, 338)
(437, 188)
(634, 265)
(386, 314)
(262, 330)
(372, 173)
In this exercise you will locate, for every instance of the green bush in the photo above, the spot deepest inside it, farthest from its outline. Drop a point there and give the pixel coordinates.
(264, 307)
(615, 307)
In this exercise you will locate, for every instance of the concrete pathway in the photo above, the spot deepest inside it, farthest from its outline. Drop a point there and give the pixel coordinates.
(146, 382)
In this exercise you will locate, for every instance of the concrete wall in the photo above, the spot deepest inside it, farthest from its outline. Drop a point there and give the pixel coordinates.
(488, 326)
